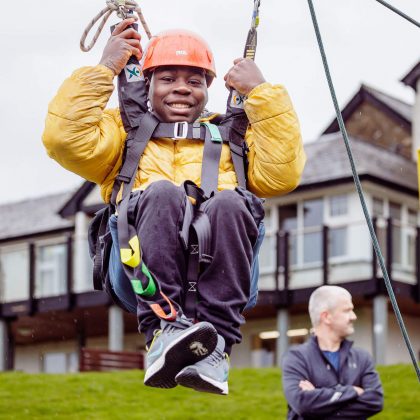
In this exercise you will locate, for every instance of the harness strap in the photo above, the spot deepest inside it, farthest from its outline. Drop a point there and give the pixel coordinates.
(186, 223)
(199, 256)
(190, 287)
(191, 131)
(201, 225)
(135, 146)
(212, 137)
(237, 154)
(99, 249)
(130, 249)
(211, 160)
(127, 235)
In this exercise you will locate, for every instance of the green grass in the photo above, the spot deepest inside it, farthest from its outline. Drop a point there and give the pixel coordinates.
(254, 394)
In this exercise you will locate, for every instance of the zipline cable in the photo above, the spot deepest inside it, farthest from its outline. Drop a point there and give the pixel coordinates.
(399, 12)
(124, 9)
(361, 195)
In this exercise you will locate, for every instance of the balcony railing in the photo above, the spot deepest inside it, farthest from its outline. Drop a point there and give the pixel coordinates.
(290, 260)
(341, 253)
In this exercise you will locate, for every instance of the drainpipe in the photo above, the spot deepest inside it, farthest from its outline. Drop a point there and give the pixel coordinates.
(82, 265)
(282, 343)
(416, 123)
(115, 329)
(3, 345)
(6, 346)
(380, 329)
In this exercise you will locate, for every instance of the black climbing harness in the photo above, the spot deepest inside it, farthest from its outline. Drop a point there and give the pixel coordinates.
(141, 126)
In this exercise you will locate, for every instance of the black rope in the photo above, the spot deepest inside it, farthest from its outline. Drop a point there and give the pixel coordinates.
(399, 12)
(361, 195)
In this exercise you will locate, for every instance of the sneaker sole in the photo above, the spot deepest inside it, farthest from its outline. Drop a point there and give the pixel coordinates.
(161, 374)
(190, 378)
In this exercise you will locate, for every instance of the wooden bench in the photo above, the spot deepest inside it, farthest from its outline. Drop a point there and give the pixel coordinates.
(104, 360)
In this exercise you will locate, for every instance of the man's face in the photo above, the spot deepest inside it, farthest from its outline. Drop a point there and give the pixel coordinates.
(341, 318)
(178, 93)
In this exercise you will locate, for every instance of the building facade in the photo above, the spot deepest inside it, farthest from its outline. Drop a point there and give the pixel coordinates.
(315, 235)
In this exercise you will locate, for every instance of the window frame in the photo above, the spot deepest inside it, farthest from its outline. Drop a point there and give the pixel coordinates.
(50, 242)
(12, 247)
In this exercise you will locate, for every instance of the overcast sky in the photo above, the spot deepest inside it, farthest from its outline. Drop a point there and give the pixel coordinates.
(39, 45)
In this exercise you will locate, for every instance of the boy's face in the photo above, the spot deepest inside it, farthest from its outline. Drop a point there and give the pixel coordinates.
(178, 93)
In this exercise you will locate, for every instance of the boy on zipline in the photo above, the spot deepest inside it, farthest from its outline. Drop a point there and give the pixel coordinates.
(85, 138)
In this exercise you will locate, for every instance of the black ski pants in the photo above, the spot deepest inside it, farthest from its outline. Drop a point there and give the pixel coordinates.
(224, 286)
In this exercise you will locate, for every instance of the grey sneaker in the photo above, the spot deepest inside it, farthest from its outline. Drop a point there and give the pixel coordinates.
(176, 345)
(210, 374)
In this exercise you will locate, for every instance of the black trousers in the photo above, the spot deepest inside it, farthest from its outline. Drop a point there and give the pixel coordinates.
(224, 286)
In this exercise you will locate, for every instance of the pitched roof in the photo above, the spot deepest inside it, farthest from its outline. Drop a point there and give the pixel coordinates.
(74, 202)
(328, 162)
(395, 108)
(399, 106)
(33, 216)
(410, 79)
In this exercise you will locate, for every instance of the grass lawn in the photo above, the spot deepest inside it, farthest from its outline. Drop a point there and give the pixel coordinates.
(254, 394)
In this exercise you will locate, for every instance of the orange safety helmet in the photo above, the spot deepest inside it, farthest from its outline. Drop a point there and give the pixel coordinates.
(179, 47)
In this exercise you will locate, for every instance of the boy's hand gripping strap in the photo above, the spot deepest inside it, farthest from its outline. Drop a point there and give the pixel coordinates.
(236, 117)
(132, 92)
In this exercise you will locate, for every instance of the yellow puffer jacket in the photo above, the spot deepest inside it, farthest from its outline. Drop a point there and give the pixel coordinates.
(86, 139)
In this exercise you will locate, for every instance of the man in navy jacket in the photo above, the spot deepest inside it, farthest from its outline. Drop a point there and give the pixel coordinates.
(326, 378)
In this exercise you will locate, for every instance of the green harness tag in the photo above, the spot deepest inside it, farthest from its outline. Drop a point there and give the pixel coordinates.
(214, 132)
(150, 290)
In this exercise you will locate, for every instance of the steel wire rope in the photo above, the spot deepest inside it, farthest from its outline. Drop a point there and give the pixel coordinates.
(399, 12)
(123, 8)
(360, 192)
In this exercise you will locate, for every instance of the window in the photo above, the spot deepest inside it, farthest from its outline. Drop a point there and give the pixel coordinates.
(378, 207)
(395, 211)
(268, 219)
(288, 223)
(312, 237)
(267, 255)
(59, 362)
(395, 215)
(412, 217)
(338, 235)
(411, 237)
(338, 205)
(338, 241)
(379, 213)
(14, 273)
(51, 270)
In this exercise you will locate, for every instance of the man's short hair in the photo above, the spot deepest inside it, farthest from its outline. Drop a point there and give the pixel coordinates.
(324, 299)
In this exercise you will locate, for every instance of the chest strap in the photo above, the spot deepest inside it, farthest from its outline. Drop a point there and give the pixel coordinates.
(186, 131)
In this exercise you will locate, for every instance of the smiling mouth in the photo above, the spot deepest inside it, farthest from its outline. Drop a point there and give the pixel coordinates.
(177, 105)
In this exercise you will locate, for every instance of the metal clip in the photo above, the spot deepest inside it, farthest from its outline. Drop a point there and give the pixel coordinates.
(180, 130)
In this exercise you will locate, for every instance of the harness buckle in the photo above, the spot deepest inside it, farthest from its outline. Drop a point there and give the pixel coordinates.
(180, 130)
